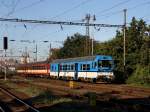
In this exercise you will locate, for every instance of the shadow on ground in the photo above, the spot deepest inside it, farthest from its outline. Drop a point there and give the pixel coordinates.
(82, 104)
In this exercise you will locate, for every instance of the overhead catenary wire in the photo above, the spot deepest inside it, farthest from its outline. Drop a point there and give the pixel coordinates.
(59, 22)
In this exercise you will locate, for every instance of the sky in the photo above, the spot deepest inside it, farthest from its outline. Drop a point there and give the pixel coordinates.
(105, 11)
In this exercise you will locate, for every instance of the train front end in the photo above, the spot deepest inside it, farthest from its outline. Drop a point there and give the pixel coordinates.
(105, 68)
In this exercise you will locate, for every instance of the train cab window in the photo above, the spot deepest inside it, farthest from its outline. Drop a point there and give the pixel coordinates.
(99, 64)
(95, 65)
(105, 63)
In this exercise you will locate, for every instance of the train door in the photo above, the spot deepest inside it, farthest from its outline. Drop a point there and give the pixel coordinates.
(76, 71)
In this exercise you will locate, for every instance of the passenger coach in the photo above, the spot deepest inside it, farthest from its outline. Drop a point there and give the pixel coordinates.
(83, 68)
(36, 69)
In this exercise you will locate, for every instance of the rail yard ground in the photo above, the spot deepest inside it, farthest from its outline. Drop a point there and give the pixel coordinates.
(56, 95)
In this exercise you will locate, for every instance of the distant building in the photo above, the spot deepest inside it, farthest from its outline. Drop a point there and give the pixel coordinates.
(25, 59)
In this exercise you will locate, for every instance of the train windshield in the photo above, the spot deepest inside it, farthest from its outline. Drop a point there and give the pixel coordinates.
(105, 63)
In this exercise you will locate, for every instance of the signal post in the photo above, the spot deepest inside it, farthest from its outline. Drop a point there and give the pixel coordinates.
(5, 47)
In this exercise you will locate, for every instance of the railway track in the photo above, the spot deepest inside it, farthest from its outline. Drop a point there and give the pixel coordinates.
(135, 99)
(11, 103)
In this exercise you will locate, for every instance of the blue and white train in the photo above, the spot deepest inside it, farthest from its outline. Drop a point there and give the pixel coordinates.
(91, 68)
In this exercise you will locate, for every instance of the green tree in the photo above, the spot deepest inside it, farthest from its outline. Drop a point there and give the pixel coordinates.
(74, 46)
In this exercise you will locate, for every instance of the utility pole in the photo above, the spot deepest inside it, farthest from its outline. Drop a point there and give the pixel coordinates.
(87, 21)
(87, 18)
(89, 43)
(36, 52)
(5, 78)
(50, 47)
(92, 45)
(124, 35)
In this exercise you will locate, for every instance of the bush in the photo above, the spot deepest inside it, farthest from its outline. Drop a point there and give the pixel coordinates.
(119, 77)
(141, 76)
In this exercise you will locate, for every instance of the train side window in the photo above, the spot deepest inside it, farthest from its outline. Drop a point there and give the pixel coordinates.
(84, 66)
(72, 67)
(52, 67)
(65, 67)
(88, 67)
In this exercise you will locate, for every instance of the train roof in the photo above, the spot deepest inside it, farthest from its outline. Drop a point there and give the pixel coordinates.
(78, 59)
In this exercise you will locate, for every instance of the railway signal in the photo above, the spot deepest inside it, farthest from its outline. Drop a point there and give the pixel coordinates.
(5, 43)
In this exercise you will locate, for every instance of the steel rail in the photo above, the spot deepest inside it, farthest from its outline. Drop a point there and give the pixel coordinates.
(13, 96)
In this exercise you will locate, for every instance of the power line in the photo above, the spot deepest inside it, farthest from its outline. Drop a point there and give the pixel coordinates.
(68, 10)
(3, 2)
(137, 6)
(13, 8)
(109, 14)
(29, 6)
(114, 6)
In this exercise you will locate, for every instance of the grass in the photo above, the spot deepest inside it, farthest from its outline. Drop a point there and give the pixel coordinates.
(36, 94)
